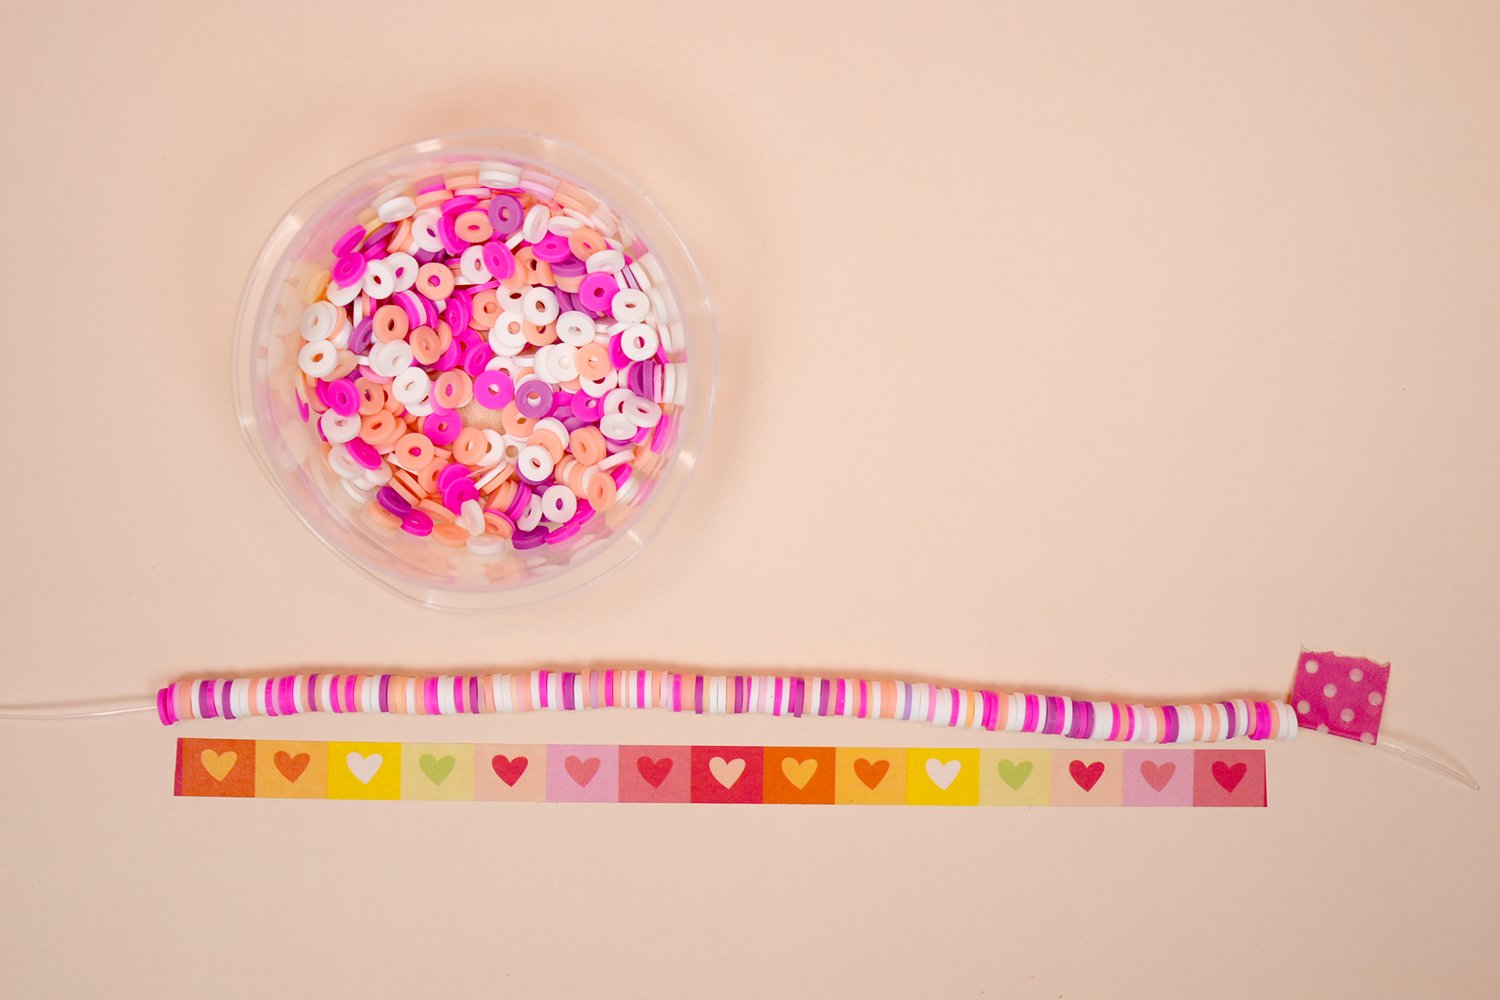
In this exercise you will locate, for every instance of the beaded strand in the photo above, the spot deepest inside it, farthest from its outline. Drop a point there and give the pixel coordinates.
(740, 694)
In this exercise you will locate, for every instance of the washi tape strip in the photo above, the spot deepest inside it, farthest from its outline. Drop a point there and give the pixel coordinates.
(776, 775)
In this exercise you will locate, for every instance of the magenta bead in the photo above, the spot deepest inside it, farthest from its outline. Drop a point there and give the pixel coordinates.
(493, 390)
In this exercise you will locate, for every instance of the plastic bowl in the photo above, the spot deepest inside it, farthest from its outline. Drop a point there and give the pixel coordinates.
(266, 376)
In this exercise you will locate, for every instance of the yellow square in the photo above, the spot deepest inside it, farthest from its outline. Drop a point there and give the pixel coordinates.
(867, 776)
(942, 777)
(1015, 777)
(438, 771)
(286, 770)
(364, 770)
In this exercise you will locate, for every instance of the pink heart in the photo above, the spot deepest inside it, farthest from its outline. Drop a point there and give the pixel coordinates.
(582, 771)
(1157, 775)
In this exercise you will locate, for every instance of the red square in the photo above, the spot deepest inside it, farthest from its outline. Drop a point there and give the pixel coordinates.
(1229, 778)
(727, 774)
(655, 774)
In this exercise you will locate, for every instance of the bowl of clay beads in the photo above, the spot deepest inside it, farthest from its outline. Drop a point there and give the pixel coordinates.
(479, 367)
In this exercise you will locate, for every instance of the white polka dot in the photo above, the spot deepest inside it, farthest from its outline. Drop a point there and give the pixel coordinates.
(1356, 675)
(1329, 690)
(1311, 666)
(1303, 707)
(1322, 727)
(1375, 698)
(1347, 715)
(1367, 737)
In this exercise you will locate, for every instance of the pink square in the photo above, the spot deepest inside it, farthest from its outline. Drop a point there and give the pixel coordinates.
(583, 774)
(510, 773)
(656, 774)
(1158, 777)
(1342, 695)
(1230, 778)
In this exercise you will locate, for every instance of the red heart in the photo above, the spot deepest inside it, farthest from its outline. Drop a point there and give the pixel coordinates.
(1157, 775)
(654, 771)
(507, 770)
(1087, 775)
(582, 771)
(1227, 775)
(871, 772)
(291, 768)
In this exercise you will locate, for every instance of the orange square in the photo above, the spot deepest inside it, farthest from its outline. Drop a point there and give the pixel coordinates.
(218, 768)
(291, 770)
(799, 775)
(1088, 777)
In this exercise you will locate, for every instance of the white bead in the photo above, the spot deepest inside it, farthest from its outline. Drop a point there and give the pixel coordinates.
(642, 412)
(630, 305)
(600, 388)
(320, 320)
(340, 461)
(535, 462)
(575, 328)
(471, 267)
(614, 401)
(618, 458)
(608, 261)
(486, 545)
(412, 385)
(391, 358)
(424, 231)
(471, 517)
(535, 226)
(552, 425)
(340, 296)
(508, 337)
(494, 453)
(639, 276)
(562, 225)
(617, 427)
(495, 174)
(532, 515)
(559, 504)
(539, 306)
(338, 428)
(340, 339)
(564, 363)
(639, 342)
(395, 209)
(378, 476)
(359, 493)
(404, 267)
(379, 281)
(421, 408)
(318, 358)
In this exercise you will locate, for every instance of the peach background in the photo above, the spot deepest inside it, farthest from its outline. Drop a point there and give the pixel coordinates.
(1211, 290)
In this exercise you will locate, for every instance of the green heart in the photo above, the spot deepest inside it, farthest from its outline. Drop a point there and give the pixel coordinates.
(1015, 775)
(437, 769)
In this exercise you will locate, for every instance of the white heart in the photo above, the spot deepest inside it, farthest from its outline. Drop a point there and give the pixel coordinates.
(727, 772)
(941, 773)
(363, 767)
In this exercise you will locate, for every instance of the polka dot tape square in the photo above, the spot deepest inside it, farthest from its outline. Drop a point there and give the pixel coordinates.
(1342, 695)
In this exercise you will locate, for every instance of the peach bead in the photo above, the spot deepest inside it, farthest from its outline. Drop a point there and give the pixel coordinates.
(502, 497)
(400, 241)
(427, 475)
(346, 363)
(438, 513)
(434, 280)
(473, 227)
(584, 243)
(550, 441)
(539, 336)
(404, 484)
(593, 362)
(381, 518)
(587, 445)
(599, 490)
(470, 446)
(381, 428)
(371, 397)
(516, 423)
(535, 272)
(412, 452)
(486, 309)
(494, 524)
(452, 389)
(455, 181)
(426, 346)
(445, 334)
(390, 323)
(451, 535)
(316, 286)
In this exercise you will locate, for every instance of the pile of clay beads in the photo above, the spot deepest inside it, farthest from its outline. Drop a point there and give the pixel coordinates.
(491, 359)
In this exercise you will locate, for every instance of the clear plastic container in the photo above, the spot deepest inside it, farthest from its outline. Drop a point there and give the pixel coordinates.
(265, 366)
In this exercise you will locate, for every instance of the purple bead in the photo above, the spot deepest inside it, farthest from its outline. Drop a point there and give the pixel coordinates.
(426, 256)
(378, 235)
(506, 215)
(363, 336)
(524, 540)
(569, 267)
(534, 399)
(519, 501)
(392, 501)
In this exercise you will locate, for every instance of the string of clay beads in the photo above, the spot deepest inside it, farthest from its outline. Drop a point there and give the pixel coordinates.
(737, 694)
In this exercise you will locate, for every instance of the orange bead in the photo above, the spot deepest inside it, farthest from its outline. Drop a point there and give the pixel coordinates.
(584, 242)
(470, 446)
(587, 445)
(371, 397)
(426, 345)
(412, 451)
(434, 280)
(516, 423)
(473, 227)
(593, 362)
(452, 389)
(486, 309)
(389, 323)
(539, 336)
(427, 475)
